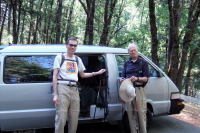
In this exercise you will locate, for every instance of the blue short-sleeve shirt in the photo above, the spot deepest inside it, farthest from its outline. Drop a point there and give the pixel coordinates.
(133, 69)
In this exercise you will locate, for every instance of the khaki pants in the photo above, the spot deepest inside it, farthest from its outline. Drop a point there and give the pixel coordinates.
(142, 109)
(68, 109)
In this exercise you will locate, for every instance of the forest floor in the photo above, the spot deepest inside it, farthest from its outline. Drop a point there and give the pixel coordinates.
(190, 114)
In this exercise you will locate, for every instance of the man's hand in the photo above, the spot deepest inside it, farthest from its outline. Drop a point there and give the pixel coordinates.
(55, 99)
(133, 78)
(101, 71)
(121, 80)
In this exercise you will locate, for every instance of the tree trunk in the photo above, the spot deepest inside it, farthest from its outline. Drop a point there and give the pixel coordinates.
(58, 21)
(68, 29)
(173, 44)
(0, 11)
(90, 10)
(19, 17)
(108, 13)
(22, 29)
(31, 23)
(117, 26)
(14, 7)
(154, 39)
(192, 56)
(3, 21)
(9, 18)
(47, 22)
(34, 41)
(194, 12)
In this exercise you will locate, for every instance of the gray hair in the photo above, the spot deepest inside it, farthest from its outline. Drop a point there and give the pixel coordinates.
(132, 44)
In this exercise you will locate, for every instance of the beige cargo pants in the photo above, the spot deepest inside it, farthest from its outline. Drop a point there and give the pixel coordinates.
(68, 109)
(142, 109)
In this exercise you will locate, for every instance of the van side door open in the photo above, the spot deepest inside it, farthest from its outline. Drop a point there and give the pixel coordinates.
(93, 91)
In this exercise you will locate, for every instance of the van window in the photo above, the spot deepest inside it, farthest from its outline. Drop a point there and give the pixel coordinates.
(153, 71)
(0, 63)
(28, 68)
(121, 59)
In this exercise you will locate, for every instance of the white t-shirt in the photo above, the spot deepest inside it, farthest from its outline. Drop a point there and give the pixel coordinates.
(69, 69)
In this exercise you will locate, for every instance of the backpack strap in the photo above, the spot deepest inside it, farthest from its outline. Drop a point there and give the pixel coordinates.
(125, 66)
(62, 59)
(76, 59)
(141, 63)
(141, 72)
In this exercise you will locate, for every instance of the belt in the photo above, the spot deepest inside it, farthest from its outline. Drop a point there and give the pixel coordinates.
(68, 82)
(71, 85)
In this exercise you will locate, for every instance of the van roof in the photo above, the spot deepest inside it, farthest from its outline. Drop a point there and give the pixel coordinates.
(3, 46)
(56, 48)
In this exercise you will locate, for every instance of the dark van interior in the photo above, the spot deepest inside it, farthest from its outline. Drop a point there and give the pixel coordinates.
(93, 91)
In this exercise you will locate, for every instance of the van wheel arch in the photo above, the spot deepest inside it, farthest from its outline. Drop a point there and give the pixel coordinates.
(149, 117)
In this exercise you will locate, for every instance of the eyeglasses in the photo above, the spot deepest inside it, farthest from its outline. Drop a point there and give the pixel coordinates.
(132, 51)
(71, 45)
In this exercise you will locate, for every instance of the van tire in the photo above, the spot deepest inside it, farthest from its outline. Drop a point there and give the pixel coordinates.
(149, 118)
(125, 122)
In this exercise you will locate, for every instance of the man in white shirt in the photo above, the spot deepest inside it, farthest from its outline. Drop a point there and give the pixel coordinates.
(66, 95)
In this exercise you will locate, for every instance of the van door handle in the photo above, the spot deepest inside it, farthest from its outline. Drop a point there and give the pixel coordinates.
(51, 90)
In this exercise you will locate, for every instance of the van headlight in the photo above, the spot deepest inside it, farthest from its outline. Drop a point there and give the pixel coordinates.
(175, 95)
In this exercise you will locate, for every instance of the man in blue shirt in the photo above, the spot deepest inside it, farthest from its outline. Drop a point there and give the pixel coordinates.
(136, 72)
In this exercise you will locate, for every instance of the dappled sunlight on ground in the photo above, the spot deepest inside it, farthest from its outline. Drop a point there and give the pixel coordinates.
(190, 114)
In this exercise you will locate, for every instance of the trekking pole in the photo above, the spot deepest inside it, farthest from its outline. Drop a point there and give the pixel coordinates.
(122, 130)
(135, 104)
(96, 104)
(97, 99)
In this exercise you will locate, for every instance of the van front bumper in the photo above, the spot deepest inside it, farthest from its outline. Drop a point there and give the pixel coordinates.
(176, 106)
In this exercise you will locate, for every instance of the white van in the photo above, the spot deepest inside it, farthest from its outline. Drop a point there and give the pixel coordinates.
(26, 93)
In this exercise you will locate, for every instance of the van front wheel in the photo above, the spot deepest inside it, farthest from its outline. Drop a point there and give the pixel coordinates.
(149, 118)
